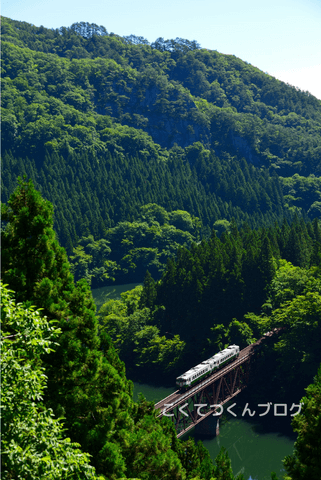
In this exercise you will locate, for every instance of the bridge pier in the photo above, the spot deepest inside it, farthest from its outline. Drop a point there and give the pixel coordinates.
(209, 428)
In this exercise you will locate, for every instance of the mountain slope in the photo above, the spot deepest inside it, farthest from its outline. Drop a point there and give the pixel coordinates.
(105, 124)
(169, 89)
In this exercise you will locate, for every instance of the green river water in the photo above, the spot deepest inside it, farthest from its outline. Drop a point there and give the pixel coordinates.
(103, 294)
(255, 446)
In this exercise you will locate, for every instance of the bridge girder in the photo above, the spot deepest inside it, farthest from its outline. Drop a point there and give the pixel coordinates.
(202, 401)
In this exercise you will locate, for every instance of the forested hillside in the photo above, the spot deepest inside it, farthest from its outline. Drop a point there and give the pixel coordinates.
(105, 124)
(220, 292)
(167, 162)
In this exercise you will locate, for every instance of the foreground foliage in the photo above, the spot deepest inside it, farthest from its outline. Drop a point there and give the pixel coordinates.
(34, 444)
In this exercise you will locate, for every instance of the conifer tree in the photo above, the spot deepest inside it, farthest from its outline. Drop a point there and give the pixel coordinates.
(81, 383)
(33, 263)
(148, 296)
(316, 252)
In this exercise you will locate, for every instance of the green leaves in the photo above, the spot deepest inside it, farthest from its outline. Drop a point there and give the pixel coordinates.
(33, 442)
(223, 468)
(240, 333)
(33, 262)
(295, 307)
(138, 342)
(150, 349)
(302, 317)
(131, 248)
(305, 463)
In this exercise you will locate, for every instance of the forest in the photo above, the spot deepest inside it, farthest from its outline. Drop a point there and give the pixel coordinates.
(105, 124)
(167, 164)
(61, 374)
(63, 369)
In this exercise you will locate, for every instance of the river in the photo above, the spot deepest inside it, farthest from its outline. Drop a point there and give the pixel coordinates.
(103, 294)
(255, 446)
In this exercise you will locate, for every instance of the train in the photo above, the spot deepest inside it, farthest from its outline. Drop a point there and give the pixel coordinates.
(195, 374)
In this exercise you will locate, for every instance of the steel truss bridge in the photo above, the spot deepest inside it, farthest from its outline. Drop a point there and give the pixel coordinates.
(189, 408)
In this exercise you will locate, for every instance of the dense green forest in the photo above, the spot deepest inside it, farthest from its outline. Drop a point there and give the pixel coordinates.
(105, 124)
(223, 291)
(130, 248)
(61, 373)
(165, 163)
(62, 376)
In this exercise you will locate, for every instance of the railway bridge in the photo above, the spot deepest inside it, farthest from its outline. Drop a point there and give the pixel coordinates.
(190, 407)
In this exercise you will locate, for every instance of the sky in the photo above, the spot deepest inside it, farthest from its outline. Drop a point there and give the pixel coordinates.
(280, 37)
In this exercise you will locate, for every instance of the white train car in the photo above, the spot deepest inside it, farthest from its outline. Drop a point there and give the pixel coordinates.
(207, 367)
